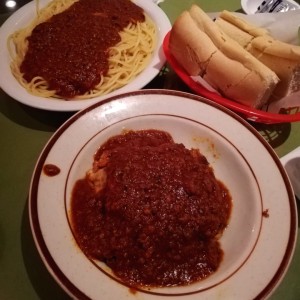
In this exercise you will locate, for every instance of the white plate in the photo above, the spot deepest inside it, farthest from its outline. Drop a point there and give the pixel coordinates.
(26, 13)
(258, 249)
(251, 6)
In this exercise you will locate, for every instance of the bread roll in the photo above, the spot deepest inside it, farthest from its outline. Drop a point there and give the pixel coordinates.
(242, 24)
(203, 49)
(282, 58)
(242, 37)
(187, 45)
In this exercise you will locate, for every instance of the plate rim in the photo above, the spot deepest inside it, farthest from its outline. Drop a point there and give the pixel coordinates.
(51, 265)
(16, 91)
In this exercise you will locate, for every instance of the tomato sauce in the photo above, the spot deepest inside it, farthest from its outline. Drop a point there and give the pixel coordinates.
(70, 50)
(51, 170)
(157, 220)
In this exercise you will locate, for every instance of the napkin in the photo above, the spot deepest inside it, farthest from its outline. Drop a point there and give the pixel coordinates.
(282, 25)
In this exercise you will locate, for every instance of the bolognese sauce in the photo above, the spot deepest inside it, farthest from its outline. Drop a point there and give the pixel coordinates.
(70, 50)
(152, 210)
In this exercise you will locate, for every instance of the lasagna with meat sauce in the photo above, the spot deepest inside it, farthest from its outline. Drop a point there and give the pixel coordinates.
(152, 210)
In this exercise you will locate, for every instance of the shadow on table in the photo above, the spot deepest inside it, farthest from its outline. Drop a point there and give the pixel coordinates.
(49, 121)
(44, 285)
(274, 134)
(31, 117)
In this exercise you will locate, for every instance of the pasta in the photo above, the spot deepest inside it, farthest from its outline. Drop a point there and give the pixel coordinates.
(126, 59)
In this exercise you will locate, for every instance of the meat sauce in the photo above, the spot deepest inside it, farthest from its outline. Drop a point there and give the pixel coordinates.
(51, 170)
(158, 215)
(70, 50)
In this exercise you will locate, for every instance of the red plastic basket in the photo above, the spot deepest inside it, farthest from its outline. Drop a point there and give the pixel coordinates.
(248, 113)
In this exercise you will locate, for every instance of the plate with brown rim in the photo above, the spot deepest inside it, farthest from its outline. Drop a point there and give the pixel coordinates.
(257, 248)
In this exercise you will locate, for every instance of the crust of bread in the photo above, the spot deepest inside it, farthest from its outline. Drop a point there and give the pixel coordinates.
(203, 49)
(228, 46)
(239, 85)
(281, 57)
(242, 24)
(242, 37)
(288, 70)
(269, 45)
(186, 45)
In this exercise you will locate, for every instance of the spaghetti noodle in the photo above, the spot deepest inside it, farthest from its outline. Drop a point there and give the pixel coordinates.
(86, 76)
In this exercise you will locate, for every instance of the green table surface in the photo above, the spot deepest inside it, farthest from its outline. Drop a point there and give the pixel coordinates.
(23, 133)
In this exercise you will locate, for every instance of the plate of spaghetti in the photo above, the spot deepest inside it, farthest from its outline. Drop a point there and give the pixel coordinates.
(66, 55)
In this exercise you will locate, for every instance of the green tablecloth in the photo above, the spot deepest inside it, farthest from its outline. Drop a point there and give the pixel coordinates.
(23, 133)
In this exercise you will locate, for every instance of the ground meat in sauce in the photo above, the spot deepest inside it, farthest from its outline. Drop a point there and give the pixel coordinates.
(156, 219)
(51, 170)
(70, 50)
